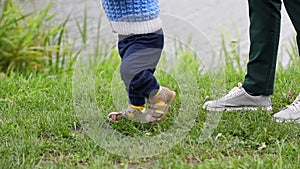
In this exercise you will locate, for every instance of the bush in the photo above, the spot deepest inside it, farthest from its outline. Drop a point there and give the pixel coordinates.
(30, 42)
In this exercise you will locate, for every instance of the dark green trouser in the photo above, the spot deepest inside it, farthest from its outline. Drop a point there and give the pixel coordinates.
(265, 19)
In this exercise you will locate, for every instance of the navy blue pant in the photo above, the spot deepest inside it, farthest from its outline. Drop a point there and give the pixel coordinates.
(140, 55)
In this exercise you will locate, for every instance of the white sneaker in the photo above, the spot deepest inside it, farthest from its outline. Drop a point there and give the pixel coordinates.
(289, 113)
(239, 99)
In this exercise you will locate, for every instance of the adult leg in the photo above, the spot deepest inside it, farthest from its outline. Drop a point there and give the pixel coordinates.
(292, 111)
(292, 7)
(265, 19)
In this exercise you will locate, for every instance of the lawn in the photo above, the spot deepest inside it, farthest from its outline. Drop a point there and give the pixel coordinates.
(41, 126)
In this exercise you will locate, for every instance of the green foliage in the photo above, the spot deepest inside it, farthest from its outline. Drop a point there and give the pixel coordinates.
(29, 41)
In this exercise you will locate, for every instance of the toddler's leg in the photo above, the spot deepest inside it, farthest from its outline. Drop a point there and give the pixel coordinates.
(140, 55)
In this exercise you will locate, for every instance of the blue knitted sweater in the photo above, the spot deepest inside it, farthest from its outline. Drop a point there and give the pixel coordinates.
(133, 16)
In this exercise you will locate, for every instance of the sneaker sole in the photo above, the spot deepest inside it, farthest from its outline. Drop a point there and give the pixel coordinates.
(228, 109)
(285, 121)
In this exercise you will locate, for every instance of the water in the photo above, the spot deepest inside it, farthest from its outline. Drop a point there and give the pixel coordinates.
(210, 17)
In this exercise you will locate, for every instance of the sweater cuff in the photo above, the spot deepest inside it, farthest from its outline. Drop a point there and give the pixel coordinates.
(144, 27)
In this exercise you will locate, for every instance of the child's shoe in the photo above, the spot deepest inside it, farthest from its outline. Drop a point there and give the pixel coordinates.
(134, 113)
(159, 105)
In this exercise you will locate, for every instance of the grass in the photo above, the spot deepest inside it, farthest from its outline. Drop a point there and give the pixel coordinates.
(39, 127)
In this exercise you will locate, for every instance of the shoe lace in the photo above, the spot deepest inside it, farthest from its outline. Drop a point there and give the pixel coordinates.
(235, 91)
(296, 104)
